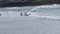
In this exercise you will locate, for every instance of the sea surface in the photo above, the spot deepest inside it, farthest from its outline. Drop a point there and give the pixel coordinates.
(43, 19)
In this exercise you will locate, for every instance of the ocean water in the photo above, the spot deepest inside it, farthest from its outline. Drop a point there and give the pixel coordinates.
(44, 19)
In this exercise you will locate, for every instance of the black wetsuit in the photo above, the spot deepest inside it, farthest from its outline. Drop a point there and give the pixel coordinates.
(0, 14)
(21, 14)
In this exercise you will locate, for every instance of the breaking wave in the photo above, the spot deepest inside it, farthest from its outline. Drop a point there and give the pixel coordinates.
(38, 15)
(11, 7)
(48, 16)
(47, 7)
(50, 6)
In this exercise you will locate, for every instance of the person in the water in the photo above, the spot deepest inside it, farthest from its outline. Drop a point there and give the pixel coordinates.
(25, 14)
(21, 14)
(0, 14)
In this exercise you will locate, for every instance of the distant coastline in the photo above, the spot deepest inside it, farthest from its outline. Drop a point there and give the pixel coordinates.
(25, 4)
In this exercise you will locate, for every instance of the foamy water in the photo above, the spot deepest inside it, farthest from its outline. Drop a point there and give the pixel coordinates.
(35, 14)
(44, 20)
(32, 12)
(46, 6)
(44, 16)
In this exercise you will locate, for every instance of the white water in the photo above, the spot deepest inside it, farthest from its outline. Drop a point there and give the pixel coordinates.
(46, 6)
(35, 14)
(44, 16)
(39, 21)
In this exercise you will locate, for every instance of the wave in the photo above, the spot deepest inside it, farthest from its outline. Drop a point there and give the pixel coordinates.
(46, 7)
(12, 7)
(50, 6)
(44, 16)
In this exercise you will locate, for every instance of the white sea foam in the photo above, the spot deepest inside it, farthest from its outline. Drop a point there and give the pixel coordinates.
(50, 6)
(46, 6)
(12, 8)
(44, 16)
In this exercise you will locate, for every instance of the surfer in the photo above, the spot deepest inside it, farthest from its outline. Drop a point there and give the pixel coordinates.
(0, 14)
(25, 14)
(21, 14)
